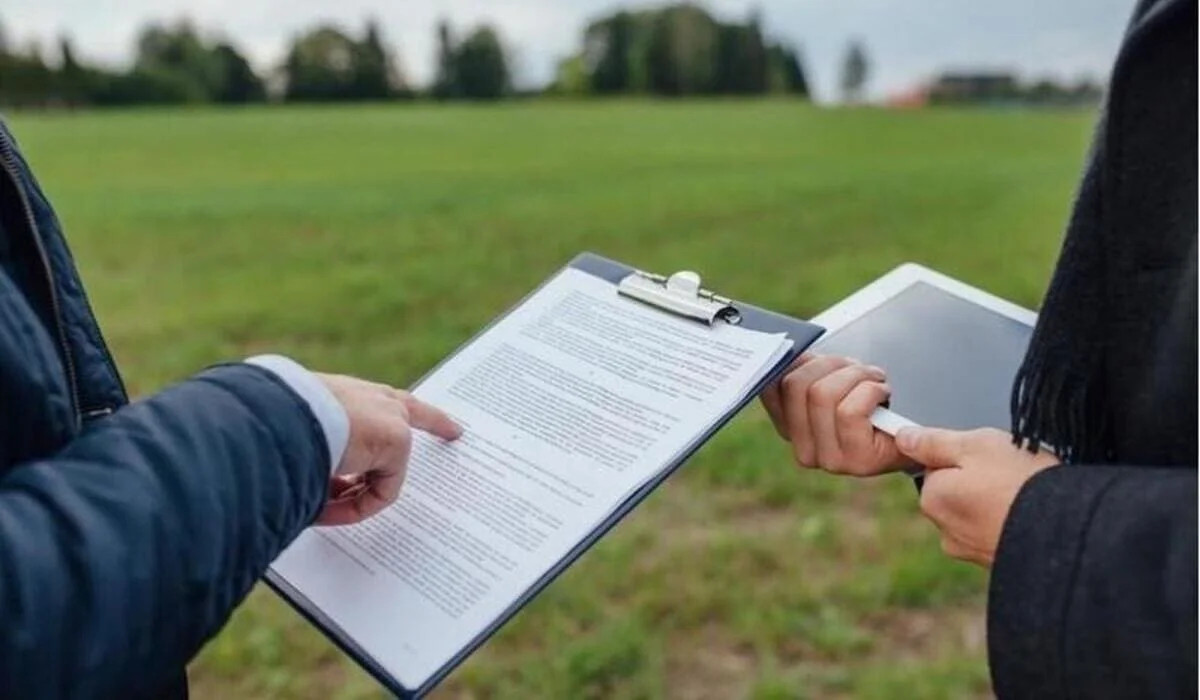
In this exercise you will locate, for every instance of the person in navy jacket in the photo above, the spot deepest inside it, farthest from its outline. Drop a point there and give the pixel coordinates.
(129, 532)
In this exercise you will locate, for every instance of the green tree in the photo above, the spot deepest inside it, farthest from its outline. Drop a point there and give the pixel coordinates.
(682, 54)
(445, 82)
(25, 79)
(179, 48)
(74, 80)
(787, 71)
(320, 66)
(743, 65)
(481, 66)
(238, 83)
(613, 41)
(375, 75)
(728, 43)
(146, 86)
(571, 77)
(856, 70)
(173, 64)
(797, 77)
(753, 58)
(68, 64)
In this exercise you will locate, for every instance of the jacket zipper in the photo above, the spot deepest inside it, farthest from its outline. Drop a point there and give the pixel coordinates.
(10, 167)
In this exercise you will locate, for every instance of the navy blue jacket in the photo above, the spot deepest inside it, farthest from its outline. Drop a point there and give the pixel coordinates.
(128, 531)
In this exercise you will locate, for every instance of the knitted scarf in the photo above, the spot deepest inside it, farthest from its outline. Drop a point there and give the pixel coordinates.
(1060, 398)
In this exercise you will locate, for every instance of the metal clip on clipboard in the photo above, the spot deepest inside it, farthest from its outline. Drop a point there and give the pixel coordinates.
(680, 294)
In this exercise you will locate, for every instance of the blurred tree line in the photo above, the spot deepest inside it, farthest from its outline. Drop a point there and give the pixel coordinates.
(679, 50)
(992, 88)
(675, 50)
(176, 64)
(172, 65)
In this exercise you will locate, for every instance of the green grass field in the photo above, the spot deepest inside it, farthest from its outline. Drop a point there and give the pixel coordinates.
(374, 240)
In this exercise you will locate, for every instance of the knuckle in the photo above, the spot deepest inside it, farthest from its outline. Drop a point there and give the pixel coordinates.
(803, 453)
(792, 383)
(402, 432)
(393, 432)
(831, 464)
(846, 412)
(830, 460)
(375, 424)
(411, 403)
(820, 394)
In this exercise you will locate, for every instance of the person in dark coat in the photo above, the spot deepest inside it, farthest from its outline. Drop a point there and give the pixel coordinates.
(1091, 545)
(129, 532)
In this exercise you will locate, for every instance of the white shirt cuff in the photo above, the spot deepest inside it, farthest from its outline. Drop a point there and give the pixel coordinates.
(325, 406)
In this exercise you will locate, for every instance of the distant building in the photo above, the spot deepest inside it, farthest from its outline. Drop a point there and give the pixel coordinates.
(996, 89)
(974, 88)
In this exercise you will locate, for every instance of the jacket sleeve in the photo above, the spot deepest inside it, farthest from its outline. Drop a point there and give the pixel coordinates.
(124, 553)
(1094, 589)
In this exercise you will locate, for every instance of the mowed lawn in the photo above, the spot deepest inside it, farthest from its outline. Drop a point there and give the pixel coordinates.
(374, 240)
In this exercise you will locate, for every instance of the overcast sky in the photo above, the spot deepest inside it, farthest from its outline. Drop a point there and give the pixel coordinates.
(908, 40)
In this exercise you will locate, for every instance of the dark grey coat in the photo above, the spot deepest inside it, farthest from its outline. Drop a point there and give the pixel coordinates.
(1094, 589)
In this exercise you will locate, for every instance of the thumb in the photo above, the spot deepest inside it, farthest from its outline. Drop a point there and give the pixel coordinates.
(932, 448)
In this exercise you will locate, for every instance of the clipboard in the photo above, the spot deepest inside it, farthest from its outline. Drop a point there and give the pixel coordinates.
(680, 294)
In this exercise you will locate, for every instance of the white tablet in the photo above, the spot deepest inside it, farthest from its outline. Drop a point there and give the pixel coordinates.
(951, 351)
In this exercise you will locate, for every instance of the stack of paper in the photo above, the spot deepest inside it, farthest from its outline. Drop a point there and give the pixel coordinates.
(570, 403)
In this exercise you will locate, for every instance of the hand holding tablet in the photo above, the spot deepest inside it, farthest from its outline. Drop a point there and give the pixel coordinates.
(950, 350)
(950, 353)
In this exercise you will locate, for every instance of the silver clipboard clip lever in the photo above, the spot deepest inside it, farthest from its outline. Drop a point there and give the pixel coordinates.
(679, 294)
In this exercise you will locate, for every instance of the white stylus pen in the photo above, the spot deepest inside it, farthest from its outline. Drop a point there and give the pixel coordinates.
(890, 423)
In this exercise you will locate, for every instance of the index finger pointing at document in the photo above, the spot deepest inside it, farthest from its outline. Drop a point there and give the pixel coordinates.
(431, 419)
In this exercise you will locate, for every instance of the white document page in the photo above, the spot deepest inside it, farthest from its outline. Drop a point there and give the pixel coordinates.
(569, 404)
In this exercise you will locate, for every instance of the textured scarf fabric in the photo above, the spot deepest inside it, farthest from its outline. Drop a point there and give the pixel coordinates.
(1061, 396)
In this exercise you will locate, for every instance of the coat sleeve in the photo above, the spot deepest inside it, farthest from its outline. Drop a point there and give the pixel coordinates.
(121, 555)
(1094, 589)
